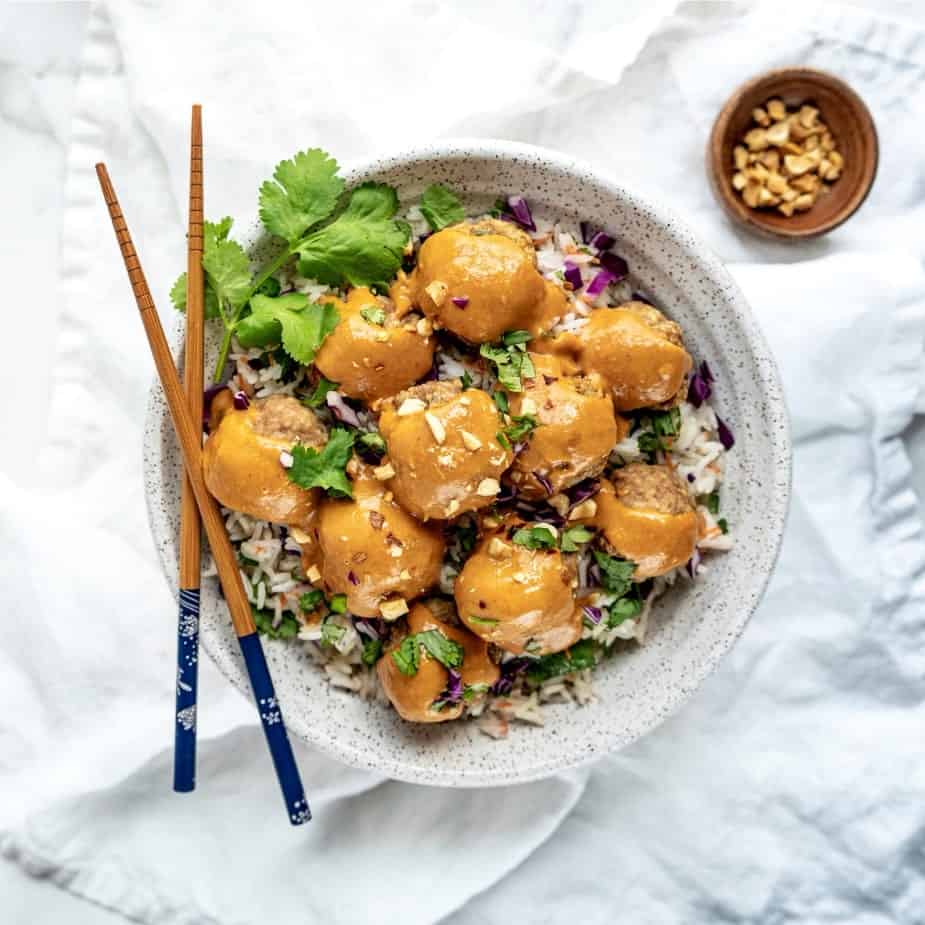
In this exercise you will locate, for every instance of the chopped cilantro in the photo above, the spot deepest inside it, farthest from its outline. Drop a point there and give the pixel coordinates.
(471, 691)
(311, 600)
(511, 360)
(373, 315)
(522, 425)
(318, 396)
(290, 319)
(501, 437)
(723, 524)
(331, 633)
(500, 400)
(325, 469)
(441, 207)
(666, 423)
(539, 536)
(372, 651)
(582, 655)
(465, 535)
(374, 443)
(407, 656)
(573, 536)
(288, 627)
(466, 380)
(624, 608)
(338, 603)
(616, 574)
(712, 501)
(446, 651)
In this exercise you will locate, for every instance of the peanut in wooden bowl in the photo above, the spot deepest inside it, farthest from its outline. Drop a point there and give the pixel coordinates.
(848, 119)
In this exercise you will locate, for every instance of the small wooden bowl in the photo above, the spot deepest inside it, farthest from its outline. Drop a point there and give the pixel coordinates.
(850, 123)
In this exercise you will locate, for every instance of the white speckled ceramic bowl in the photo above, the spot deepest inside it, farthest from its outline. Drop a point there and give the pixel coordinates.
(692, 627)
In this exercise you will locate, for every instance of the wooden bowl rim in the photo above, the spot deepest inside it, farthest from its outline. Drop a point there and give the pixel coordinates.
(754, 218)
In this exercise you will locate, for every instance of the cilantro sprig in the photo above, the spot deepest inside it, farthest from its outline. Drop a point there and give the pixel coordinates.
(441, 207)
(580, 656)
(290, 319)
(340, 239)
(542, 536)
(616, 574)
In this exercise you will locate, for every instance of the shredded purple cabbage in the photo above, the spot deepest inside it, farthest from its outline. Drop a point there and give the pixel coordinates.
(460, 301)
(600, 282)
(521, 212)
(207, 397)
(690, 477)
(594, 614)
(352, 578)
(693, 563)
(725, 434)
(601, 241)
(700, 389)
(583, 490)
(453, 692)
(342, 411)
(241, 401)
(706, 372)
(573, 275)
(366, 627)
(616, 264)
(507, 493)
(547, 485)
(509, 671)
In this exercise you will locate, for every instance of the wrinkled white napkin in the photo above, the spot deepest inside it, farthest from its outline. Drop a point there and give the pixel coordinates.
(790, 788)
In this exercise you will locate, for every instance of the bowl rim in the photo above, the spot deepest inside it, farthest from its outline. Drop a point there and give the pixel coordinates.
(752, 218)
(781, 475)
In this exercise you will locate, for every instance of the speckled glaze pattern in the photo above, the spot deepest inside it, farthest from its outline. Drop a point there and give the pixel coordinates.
(692, 627)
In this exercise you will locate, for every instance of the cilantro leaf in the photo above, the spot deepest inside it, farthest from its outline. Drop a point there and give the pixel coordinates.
(511, 360)
(500, 399)
(446, 651)
(573, 536)
(317, 398)
(324, 469)
(616, 574)
(666, 423)
(624, 609)
(407, 656)
(227, 266)
(441, 207)
(289, 319)
(712, 502)
(303, 192)
(374, 443)
(471, 691)
(311, 600)
(522, 425)
(465, 534)
(536, 537)
(723, 524)
(338, 603)
(374, 316)
(363, 246)
(372, 651)
(582, 655)
(466, 380)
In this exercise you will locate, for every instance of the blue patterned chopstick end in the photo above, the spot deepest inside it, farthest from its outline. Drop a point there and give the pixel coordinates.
(184, 743)
(275, 730)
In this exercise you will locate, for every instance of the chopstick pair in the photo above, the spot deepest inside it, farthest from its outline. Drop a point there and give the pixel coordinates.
(189, 435)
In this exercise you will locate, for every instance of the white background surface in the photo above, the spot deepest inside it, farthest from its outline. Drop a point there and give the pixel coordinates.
(40, 46)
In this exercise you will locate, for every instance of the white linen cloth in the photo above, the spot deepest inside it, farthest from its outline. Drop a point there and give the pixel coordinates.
(790, 788)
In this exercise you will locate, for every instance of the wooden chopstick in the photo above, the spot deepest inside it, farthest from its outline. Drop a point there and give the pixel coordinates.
(189, 436)
(184, 745)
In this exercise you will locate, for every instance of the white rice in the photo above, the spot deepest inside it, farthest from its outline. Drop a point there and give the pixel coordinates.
(271, 560)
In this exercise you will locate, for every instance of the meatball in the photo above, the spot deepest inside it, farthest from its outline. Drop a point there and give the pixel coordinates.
(241, 464)
(576, 429)
(552, 309)
(635, 348)
(413, 696)
(444, 449)
(489, 268)
(372, 550)
(648, 517)
(518, 598)
(370, 360)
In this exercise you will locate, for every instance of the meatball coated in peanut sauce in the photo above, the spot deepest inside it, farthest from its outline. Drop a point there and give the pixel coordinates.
(373, 551)
(576, 429)
(635, 348)
(520, 599)
(373, 352)
(241, 459)
(489, 268)
(414, 696)
(647, 516)
(443, 449)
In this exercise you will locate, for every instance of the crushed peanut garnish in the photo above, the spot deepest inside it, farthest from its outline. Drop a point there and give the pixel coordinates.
(313, 575)
(392, 610)
(410, 406)
(783, 161)
(436, 426)
(470, 441)
(488, 488)
(437, 292)
(383, 473)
